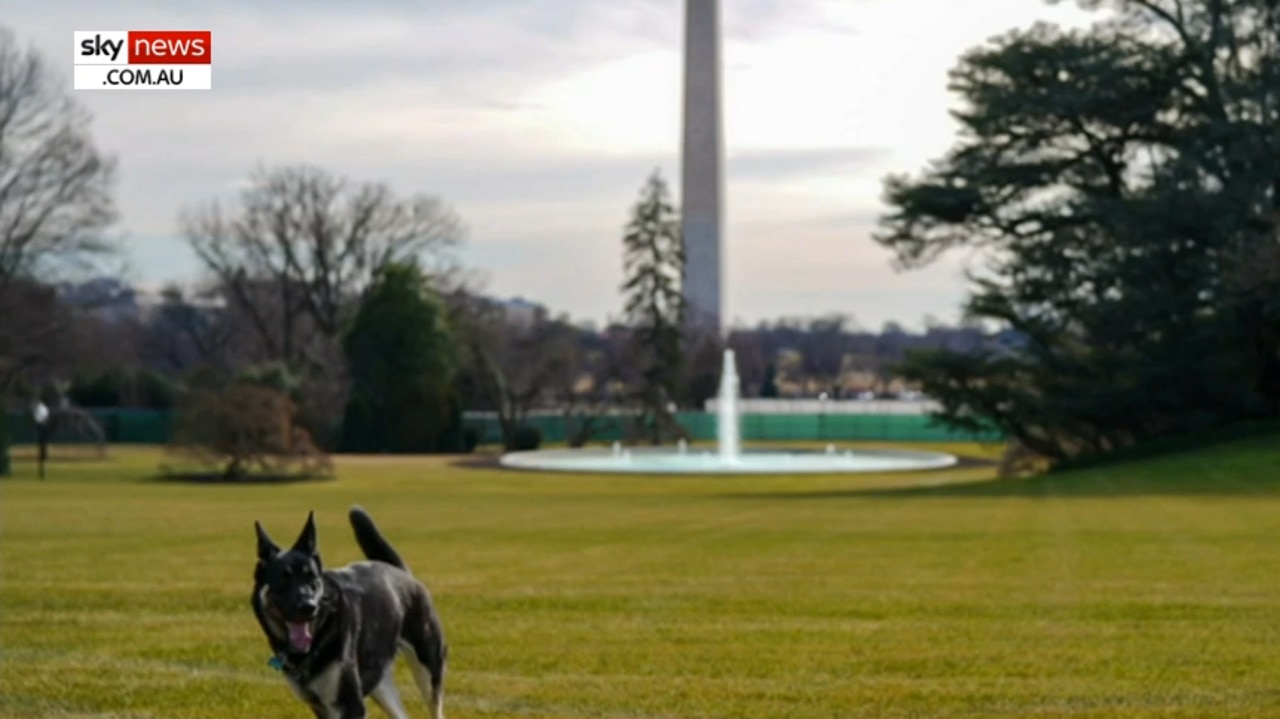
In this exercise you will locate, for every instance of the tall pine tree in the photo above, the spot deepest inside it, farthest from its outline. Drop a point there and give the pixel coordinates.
(653, 264)
(1123, 183)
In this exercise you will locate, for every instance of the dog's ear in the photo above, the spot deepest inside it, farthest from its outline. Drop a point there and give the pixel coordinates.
(267, 549)
(307, 540)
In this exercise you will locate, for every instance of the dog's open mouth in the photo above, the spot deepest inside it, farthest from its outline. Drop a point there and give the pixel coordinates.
(300, 632)
(300, 636)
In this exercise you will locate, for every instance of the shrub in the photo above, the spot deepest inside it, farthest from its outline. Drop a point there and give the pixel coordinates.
(273, 375)
(245, 431)
(525, 437)
(106, 389)
(122, 388)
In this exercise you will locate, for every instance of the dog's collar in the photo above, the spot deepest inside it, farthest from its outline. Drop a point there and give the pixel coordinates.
(282, 663)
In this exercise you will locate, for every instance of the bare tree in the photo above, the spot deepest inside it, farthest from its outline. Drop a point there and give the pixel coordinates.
(514, 367)
(291, 257)
(55, 198)
(752, 356)
(35, 345)
(190, 328)
(702, 364)
(55, 203)
(596, 390)
(302, 244)
(823, 350)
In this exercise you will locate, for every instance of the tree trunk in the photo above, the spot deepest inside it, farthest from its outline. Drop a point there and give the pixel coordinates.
(5, 468)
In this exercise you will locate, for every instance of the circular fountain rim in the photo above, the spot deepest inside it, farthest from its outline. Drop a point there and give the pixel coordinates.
(729, 458)
(748, 462)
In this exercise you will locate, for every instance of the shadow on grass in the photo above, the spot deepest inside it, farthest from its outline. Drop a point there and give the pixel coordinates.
(219, 479)
(1241, 464)
(1050, 486)
(59, 455)
(1080, 485)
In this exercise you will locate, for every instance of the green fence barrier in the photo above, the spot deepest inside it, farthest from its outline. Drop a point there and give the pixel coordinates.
(121, 426)
(763, 428)
(134, 426)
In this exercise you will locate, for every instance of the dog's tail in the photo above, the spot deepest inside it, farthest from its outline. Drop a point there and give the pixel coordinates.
(371, 541)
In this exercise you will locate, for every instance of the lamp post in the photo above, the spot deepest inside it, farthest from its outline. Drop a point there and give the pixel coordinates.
(40, 413)
(822, 416)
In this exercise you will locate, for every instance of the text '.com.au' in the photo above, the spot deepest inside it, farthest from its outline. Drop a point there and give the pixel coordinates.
(143, 60)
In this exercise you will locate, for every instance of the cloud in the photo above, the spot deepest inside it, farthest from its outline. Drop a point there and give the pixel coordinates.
(540, 119)
(784, 163)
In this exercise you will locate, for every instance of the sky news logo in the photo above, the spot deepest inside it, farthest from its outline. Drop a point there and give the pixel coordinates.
(143, 60)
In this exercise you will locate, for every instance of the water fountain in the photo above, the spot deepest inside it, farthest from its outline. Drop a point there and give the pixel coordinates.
(729, 457)
(728, 428)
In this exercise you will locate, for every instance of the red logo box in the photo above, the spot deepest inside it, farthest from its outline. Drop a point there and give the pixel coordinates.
(170, 47)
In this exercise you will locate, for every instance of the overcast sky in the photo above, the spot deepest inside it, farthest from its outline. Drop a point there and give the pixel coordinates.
(538, 120)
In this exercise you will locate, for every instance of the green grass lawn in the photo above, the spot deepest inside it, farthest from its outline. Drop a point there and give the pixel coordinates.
(1142, 590)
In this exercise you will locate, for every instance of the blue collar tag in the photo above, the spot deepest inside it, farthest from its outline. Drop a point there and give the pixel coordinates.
(276, 663)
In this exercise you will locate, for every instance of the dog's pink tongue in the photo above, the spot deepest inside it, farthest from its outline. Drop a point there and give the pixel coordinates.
(300, 636)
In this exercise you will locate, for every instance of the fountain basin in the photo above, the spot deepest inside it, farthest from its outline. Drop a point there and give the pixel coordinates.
(728, 457)
(657, 460)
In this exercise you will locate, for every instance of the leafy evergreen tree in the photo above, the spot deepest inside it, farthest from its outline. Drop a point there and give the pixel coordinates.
(402, 360)
(1123, 183)
(653, 262)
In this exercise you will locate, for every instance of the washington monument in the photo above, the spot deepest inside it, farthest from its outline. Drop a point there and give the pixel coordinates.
(702, 154)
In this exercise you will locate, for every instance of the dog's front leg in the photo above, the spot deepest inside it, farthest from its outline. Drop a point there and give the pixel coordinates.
(355, 710)
(335, 693)
(350, 699)
(339, 711)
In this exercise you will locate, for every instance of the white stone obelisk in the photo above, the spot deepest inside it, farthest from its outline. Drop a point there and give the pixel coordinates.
(702, 155)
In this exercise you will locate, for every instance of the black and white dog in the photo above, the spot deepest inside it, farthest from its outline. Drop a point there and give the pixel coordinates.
(335, 634)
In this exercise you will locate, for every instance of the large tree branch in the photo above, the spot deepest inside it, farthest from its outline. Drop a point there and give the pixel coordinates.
(54, 186)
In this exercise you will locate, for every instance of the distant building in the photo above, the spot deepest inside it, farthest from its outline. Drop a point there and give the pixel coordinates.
(1009, 342)
(113, 301)
(107, 298)
(522, 312)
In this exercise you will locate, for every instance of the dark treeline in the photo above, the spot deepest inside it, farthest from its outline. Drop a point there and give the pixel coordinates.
(115, 346)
